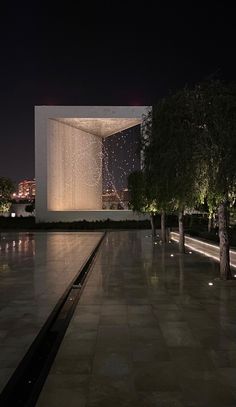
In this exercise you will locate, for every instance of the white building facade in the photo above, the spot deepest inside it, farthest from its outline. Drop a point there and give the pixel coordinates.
(68, 160)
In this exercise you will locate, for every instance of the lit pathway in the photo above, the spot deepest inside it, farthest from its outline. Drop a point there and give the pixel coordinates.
(148, 331)
(208, 249)
(35, 270)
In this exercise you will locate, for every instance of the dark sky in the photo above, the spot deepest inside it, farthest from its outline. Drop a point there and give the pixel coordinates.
(105, 53)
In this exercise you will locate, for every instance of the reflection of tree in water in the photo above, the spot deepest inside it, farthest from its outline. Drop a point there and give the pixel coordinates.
(149, 254)
(181, 274)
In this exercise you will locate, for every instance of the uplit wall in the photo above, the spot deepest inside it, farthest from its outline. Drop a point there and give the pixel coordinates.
(74, 173)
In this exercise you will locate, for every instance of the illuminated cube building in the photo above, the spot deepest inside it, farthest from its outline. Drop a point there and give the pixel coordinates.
(68, 154)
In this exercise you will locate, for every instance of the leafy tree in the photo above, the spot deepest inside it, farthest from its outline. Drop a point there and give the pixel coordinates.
(216, 108)
(5, 206)
(30, 208)
(212, 210)
(140, 197)
(6, 190)
(154, 183)
(171, 156)
(189, 149)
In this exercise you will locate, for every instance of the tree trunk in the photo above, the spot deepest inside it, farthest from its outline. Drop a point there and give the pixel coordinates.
(153, 226)
(191, 221)
(214, 221)
(225, 272)
(181, 231)
(210, 222)
(163, 227)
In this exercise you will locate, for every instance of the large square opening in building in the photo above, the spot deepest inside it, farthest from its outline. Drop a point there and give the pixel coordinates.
(73, 149)
(121, 156)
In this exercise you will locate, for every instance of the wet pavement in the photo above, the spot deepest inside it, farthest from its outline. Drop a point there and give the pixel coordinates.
(35, 270)
(149, 330)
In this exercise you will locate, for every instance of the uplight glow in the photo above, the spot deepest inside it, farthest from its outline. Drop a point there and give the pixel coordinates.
(205, 252)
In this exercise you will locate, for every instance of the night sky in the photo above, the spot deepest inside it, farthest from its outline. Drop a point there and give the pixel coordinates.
(110, 53)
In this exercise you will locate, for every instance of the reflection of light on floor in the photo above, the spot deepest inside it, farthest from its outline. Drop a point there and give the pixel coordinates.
(10, 247)
(4, 267)
(205, 252)
(154, 280)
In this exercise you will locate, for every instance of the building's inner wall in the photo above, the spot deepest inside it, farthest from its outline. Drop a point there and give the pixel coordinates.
(74, 168)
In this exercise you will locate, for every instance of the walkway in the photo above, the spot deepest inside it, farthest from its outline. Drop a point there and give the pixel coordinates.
(148, 331)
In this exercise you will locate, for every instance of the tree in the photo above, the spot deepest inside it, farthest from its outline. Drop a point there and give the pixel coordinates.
(216, 108)
(30, 208)
(140, 197)
(154, 184)
(212, 210)
(171, 156)
(6, 190)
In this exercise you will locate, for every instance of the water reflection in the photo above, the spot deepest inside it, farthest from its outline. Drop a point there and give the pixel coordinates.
(35, 270)
(181, 275)
(19, 243)
(16, 249)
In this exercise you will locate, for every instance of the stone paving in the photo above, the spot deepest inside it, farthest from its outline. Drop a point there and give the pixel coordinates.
(35, 270)
(148, 331)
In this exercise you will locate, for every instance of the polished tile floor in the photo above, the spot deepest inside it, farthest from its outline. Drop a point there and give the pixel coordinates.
(148, 331)
(35, 270)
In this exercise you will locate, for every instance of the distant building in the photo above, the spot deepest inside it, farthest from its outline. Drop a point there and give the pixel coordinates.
(26, 189)
(115, 199)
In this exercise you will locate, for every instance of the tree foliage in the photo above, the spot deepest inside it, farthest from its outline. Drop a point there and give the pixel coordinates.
(141, 196)
(171, 155)
(189, 150)
(216, 108)
(30, 208)
(171, 152)
(6, 190)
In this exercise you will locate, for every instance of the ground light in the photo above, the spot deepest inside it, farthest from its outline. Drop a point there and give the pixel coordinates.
(204, 252)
